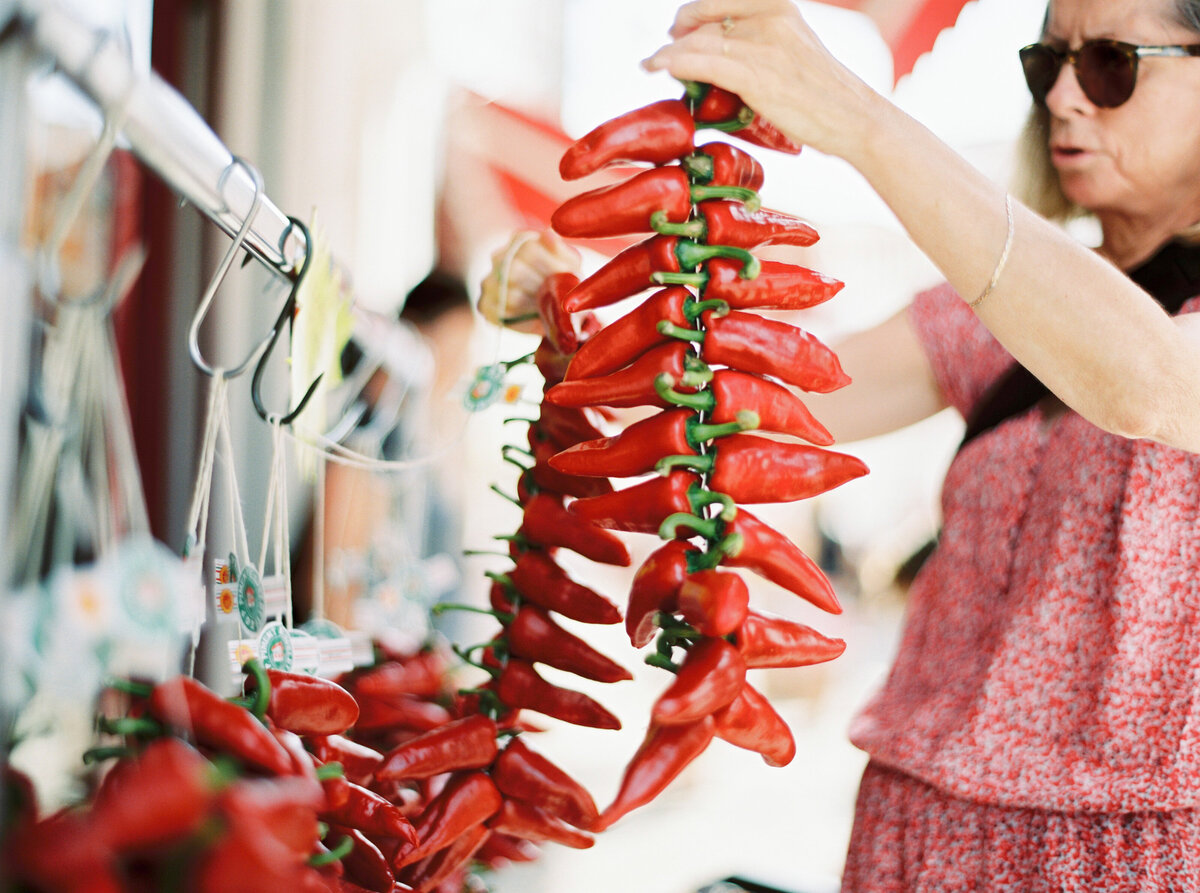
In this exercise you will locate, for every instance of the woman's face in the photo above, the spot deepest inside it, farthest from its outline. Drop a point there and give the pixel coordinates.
(1141, 158)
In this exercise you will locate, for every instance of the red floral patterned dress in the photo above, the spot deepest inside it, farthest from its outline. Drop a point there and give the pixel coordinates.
(1040, 727)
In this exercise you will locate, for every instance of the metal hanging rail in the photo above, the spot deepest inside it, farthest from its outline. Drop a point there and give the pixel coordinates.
(165, 132)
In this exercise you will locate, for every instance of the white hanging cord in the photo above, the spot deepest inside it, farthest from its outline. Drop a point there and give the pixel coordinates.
(197, 525)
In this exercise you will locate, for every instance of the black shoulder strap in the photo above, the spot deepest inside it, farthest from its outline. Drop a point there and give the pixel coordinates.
(1171, 277)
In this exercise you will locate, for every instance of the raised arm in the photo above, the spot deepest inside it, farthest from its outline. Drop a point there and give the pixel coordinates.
(1100, 343)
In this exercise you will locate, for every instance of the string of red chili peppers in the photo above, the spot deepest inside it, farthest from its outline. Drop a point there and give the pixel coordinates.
(697, 351)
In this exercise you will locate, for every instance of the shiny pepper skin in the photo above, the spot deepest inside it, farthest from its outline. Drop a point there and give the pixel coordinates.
(712, 674)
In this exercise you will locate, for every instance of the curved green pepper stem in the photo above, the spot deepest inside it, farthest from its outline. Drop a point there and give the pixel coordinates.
(693, 310)
(693, 280)
(668, 328)
(522, 317)
(698, 433)
(741, 121)
(495, 488)
(327, 771)
(129, 726)
(729, 545)
(129, 687)
(464, 654)
(262, 687)
(703, 498)
(743, 194)
(690, 229)
(521, 360)
(667, 464)
(696, 372)
(701, 401)
(694, 90)
(100, 754)
(703, 561)
(443, 607)
(692, 254)
(699, 166)
(671, 525)
(662, 662)
(339, 852)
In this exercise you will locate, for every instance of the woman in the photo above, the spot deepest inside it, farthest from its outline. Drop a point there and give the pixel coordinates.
(1040, 728)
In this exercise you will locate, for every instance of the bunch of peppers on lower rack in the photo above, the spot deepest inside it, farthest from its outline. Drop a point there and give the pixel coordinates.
(697, 350)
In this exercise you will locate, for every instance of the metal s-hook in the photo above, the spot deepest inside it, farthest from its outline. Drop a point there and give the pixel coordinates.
(285, 315)
(218, 277)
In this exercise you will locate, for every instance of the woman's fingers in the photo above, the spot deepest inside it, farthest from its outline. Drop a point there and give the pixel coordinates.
(508, 291)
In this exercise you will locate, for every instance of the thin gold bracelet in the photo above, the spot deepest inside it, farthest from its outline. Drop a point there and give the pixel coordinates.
(1008, 242)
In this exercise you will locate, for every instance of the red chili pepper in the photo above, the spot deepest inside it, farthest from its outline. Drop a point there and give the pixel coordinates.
(468, 799)
(753, 469)
(632, 385)
(657, 133)
(534, 636)
(500, 850)
(372, 814)
(720, 164)
(567, 425)
(185, 704)
(467, 743)
(161, 795)
(542, 476)
(656, 588)
(522, 773)
(732, 223)
(753, 343)
(520, 687)
(769, 641)
(662, 193)
(642, 507)
(57, 851)
(359, 762)
(285, 809)
(337, 790)
(722, 110)
(524, 819)
(751, 722)
(714, 602)
(751, 544)
(422, 674)
(638, 267)
(302, 760)
(546, 522)
(560, 329)
(537, 578)
(247, 858)
(429, 875)
(403, 712)
(778, 286)
(306, 704)
(711, 676)
(732, 392)
(664, 753)
(550, 362)
(628, 337)
(632, 452)
(365, 863)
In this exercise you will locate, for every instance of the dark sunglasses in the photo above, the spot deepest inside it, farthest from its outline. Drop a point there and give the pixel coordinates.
(1106, 69)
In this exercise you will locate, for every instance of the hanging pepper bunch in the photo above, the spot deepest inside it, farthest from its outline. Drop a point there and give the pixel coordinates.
(698, 351)
(475, 791)
(205, 793)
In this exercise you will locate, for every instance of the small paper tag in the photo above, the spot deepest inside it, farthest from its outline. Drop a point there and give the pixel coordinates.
(250, 602)
(275, 596)
(306, 653)
(275, 647)
(240, 651)
(337, 656)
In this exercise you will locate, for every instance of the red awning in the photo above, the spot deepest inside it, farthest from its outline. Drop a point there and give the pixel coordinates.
(910, 27)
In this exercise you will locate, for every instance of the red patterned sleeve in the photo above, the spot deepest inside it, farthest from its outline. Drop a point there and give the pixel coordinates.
(965, 357)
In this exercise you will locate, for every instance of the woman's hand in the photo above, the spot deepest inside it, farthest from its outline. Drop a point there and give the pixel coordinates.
(765, 52)
(507, 293)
